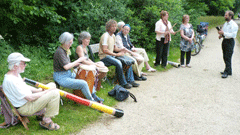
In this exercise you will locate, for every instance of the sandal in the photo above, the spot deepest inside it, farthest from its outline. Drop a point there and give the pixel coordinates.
(151, 70)
(49, 126)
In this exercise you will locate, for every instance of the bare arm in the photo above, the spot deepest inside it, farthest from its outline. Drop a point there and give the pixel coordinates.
(183, 36)
(37, 95)
(35, 90)
(106, 51)
(80, 53)
(116, 49)
(75, 63)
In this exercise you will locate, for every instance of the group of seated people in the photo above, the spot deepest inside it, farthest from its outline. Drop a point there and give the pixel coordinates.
(29, 100)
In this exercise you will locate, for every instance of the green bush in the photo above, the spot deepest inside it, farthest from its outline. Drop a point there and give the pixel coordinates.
(39, 68)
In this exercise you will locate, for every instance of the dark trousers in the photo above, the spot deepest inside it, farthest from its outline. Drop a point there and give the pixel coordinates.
(227, 49)
(162, 52)
(188, 57)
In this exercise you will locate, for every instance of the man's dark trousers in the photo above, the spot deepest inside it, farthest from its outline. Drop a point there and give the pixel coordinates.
(227, 48)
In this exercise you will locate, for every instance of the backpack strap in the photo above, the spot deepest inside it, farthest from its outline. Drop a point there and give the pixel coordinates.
(131, 95)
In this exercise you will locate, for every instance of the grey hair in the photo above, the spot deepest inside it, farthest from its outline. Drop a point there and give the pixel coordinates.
(120, 24)
(65, 37)
(230, 13)
(83, 35)
(11, 65)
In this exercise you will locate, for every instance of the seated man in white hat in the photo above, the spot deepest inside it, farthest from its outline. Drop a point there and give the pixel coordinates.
(27, 99)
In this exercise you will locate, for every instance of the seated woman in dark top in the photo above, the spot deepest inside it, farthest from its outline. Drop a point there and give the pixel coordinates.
(62, 67)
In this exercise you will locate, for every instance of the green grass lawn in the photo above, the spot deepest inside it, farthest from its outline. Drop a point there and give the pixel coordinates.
(213, 20)
(238, 35)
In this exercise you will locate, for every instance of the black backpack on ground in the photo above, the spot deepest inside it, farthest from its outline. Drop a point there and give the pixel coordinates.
(121, 93)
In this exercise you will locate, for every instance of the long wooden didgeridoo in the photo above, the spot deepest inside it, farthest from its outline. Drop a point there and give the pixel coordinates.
(116, 112)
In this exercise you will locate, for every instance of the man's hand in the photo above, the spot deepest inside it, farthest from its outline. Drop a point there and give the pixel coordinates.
(220, 32)
(120, 54)
(133, 49)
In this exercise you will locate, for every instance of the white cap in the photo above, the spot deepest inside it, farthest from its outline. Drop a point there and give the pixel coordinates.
(16, 57)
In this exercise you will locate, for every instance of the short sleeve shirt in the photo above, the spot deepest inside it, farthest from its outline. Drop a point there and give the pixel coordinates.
(60, 59)
(119, 42)
(16, 90)
(107, 40)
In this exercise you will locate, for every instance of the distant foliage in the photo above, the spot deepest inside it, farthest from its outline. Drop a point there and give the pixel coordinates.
(145, 13)
(218, 7)
(25, 21)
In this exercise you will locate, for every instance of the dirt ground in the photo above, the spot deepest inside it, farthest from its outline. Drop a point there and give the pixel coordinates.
(182, 100)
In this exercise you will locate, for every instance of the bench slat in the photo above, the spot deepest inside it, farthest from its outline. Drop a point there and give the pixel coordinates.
(94, 47)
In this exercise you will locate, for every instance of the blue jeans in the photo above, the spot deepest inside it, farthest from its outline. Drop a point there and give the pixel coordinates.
(111, 60)
(67, 79)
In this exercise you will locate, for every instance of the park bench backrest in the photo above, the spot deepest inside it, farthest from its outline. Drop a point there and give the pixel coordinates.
(93, 48)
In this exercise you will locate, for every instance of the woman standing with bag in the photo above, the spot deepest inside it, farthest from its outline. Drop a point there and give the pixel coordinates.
(187, 43)
(163, 29)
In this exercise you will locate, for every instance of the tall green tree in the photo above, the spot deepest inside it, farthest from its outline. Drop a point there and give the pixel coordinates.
(236, 7)
(24, 21)
(218, 7)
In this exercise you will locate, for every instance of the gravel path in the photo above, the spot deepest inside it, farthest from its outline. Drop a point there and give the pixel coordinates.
(182, 100)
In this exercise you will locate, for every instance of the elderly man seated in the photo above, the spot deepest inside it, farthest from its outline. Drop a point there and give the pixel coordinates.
(108, 53)
(123, 41)
(27, 99)
(120, 26)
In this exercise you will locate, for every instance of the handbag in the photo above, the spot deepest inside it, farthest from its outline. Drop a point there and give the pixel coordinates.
(121, 93)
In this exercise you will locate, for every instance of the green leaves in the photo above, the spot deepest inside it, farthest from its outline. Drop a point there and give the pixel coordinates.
(40, 22)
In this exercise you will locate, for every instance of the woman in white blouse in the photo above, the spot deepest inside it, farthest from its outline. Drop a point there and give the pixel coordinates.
(163, 29)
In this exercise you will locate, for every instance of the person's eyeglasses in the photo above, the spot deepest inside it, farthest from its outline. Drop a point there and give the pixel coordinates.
(24, 63)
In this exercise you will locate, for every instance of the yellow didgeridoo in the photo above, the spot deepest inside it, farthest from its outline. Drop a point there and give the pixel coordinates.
(116, 112)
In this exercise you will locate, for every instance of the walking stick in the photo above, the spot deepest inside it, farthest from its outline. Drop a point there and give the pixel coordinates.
(116, 112)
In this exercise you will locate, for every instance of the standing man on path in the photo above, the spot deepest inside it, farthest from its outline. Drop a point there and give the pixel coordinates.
(228, 32)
